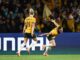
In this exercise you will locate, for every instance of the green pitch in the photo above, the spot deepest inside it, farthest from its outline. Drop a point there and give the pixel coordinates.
(40, 57)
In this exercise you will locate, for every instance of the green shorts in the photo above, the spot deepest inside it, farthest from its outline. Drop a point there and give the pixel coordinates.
(50, 37)
(28, 35)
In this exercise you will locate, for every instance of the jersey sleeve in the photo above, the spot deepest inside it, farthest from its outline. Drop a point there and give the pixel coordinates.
(34, 20)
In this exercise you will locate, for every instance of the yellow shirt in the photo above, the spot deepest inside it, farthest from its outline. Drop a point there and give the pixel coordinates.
(70, 23)
(29, 21)
(54, 31)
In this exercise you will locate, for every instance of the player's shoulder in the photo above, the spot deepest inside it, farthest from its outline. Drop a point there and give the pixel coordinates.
(30, 17)
(33, 18)
(26, 18)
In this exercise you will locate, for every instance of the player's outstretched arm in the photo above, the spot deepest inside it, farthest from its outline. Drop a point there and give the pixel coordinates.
(43, 34)
(56, 24)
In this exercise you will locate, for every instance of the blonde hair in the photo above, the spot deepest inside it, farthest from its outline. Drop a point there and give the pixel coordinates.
(31, 11)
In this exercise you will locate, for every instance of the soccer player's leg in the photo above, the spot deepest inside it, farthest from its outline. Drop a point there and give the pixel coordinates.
(51, 44)
(28, 50)
(43, 46)
(46, 51)
(22, 45)
(32, 44)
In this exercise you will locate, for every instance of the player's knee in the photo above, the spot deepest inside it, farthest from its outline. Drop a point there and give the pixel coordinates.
(54, 44)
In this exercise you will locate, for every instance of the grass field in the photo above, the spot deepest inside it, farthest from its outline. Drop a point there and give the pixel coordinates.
(40, 57)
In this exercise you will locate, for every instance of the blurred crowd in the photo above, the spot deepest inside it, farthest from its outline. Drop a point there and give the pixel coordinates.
(65, 12)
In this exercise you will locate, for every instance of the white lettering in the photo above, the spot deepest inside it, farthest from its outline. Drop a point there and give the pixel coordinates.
(5, 40)
(0, 43)
(19, 40)
(40, 39)
(47, 42)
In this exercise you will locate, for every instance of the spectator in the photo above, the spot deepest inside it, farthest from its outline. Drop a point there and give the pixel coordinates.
(13, 14)
(71, 22)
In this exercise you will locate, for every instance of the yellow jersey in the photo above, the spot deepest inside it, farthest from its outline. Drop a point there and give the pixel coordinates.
(29, 21)
(54, 31)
